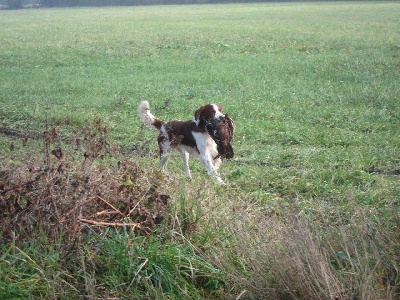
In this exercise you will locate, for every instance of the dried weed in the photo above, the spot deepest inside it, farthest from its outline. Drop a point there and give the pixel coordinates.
(66, 188)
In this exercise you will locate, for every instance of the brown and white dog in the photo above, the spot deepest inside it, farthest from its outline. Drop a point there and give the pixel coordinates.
(198, 137)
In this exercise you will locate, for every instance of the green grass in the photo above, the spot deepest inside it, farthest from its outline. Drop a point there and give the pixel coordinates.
(314, 91)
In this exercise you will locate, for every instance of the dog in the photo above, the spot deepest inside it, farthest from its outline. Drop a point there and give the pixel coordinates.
(208, 136)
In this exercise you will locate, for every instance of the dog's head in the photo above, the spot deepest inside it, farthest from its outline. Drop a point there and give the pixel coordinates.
(207, 113)
(218, 125)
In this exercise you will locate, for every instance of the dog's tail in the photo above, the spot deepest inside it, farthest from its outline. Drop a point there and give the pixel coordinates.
(147, 117)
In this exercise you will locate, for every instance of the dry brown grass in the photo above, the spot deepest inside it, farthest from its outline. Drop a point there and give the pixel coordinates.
(289, 257)
(57, 192)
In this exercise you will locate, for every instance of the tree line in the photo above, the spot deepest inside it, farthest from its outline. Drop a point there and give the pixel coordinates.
(18, 4)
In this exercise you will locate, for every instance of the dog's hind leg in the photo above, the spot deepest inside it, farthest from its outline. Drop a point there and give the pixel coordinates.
(163, 159)
(165, 147)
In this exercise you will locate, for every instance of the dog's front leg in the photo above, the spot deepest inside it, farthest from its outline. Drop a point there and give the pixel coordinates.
(208, 164)
(185, 157)
(205, 144)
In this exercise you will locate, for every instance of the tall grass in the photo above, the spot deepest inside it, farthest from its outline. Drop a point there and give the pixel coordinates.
(145, 268)
(289, 256)
(311, 210)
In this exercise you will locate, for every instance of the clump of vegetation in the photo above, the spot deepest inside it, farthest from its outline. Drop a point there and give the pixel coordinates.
(59, 191)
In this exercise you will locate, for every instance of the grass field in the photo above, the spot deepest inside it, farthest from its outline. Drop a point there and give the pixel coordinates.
(311, 210)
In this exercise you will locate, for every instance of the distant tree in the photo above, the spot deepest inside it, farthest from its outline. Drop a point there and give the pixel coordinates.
(48, 3)
(14, 4)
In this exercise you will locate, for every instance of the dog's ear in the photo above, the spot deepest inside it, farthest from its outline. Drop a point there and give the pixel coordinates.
(205, 113)
(198, 112)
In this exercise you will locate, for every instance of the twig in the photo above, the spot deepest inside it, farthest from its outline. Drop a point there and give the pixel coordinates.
(47, 143)
(88, 200)
(138, 271)
(52, 200)
(100, 223)
(241, 294)
(75, 208)
(109, 204)
(105, 212)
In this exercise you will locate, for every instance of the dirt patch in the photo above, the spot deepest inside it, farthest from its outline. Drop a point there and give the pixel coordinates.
(391, 172)
(17, 133)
